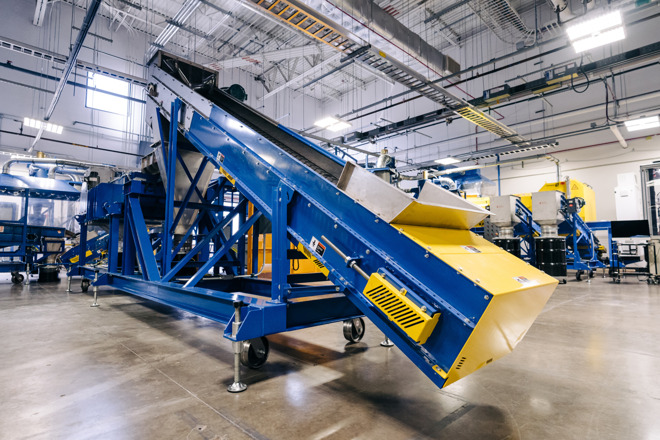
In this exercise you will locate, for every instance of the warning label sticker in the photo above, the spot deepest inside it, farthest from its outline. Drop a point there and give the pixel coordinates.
(524, 281)
(472, 249)
(317, 246)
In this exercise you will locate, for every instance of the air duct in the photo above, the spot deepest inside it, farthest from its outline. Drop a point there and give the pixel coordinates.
(373, 17)
(6, 168)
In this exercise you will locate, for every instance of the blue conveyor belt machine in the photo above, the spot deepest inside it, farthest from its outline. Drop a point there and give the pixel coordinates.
(450, 300)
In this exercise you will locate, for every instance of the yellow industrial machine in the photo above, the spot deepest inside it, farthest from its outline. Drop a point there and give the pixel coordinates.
(575, 188)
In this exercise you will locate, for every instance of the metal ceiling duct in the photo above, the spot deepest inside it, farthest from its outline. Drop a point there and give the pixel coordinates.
(395, 33)
(6, 168)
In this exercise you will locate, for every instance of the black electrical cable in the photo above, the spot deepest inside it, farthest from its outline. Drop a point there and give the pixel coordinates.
(607, 105)
(581, 69)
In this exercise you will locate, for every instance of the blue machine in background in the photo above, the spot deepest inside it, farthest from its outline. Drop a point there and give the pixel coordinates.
(567, 241)
(27, 243)
(181, 236)
(583, 251)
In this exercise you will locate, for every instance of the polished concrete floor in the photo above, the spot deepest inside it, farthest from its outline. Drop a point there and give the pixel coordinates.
(588, 369)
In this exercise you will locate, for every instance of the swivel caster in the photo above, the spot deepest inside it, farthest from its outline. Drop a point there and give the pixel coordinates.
(578, 275)
(254, 352)
(84, 284)
(354, 329)
(17, 279)
(592, 273)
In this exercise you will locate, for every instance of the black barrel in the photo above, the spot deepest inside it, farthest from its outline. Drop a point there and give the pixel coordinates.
(511, 245)
(551, 255)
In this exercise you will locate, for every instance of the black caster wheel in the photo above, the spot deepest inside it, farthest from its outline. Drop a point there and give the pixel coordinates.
(592, 273)
(84, 284)
(563, 281)
(17, 278)
(578, 275)
(617, 280)
(354, 329)
(254, 352)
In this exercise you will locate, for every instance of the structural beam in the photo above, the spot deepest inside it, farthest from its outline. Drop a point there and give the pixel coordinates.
(14, 47)
(276, 55)
(303, 75)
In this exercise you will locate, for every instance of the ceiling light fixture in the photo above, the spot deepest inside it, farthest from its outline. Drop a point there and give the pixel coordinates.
(643, 123)
(341, 125)
(326, 122)
(447, 160)
(46, 126)
(596, 32)
(333, 124)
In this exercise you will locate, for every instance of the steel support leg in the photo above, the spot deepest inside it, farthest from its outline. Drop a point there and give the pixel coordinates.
(27, 275)
(237, 386)
(68, 284)
(96, 289)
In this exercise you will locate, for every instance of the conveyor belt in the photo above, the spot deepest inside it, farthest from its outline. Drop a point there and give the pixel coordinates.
(314, 159)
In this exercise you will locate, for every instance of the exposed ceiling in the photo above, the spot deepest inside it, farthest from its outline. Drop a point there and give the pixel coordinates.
(229, 34)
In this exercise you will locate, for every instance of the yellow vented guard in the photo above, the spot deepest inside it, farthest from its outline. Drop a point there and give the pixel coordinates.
(399, 309)
(314, 260)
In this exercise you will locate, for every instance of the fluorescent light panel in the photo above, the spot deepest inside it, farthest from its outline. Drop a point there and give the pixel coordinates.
(47, 126)
(643, 123)
(447, 161)
(326, 122)
(597, 32)
(332, 123)
(340, 125)
(598, 40)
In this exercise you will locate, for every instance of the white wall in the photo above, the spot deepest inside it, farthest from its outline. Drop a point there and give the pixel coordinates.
(93, 143)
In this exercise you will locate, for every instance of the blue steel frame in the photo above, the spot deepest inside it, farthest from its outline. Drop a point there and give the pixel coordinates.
(302, 206)
(582, 244)
(527, 229)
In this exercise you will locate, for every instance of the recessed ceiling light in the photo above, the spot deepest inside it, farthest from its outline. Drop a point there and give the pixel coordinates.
(447, 160)
(326, 122)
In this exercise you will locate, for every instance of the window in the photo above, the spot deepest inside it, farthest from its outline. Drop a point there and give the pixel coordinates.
(102, 101)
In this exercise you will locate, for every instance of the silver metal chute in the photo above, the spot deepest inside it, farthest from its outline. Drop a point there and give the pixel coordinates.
(193, 162)
(435, 206)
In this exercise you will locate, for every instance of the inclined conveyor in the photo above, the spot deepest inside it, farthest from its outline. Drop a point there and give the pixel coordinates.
(450, 300)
